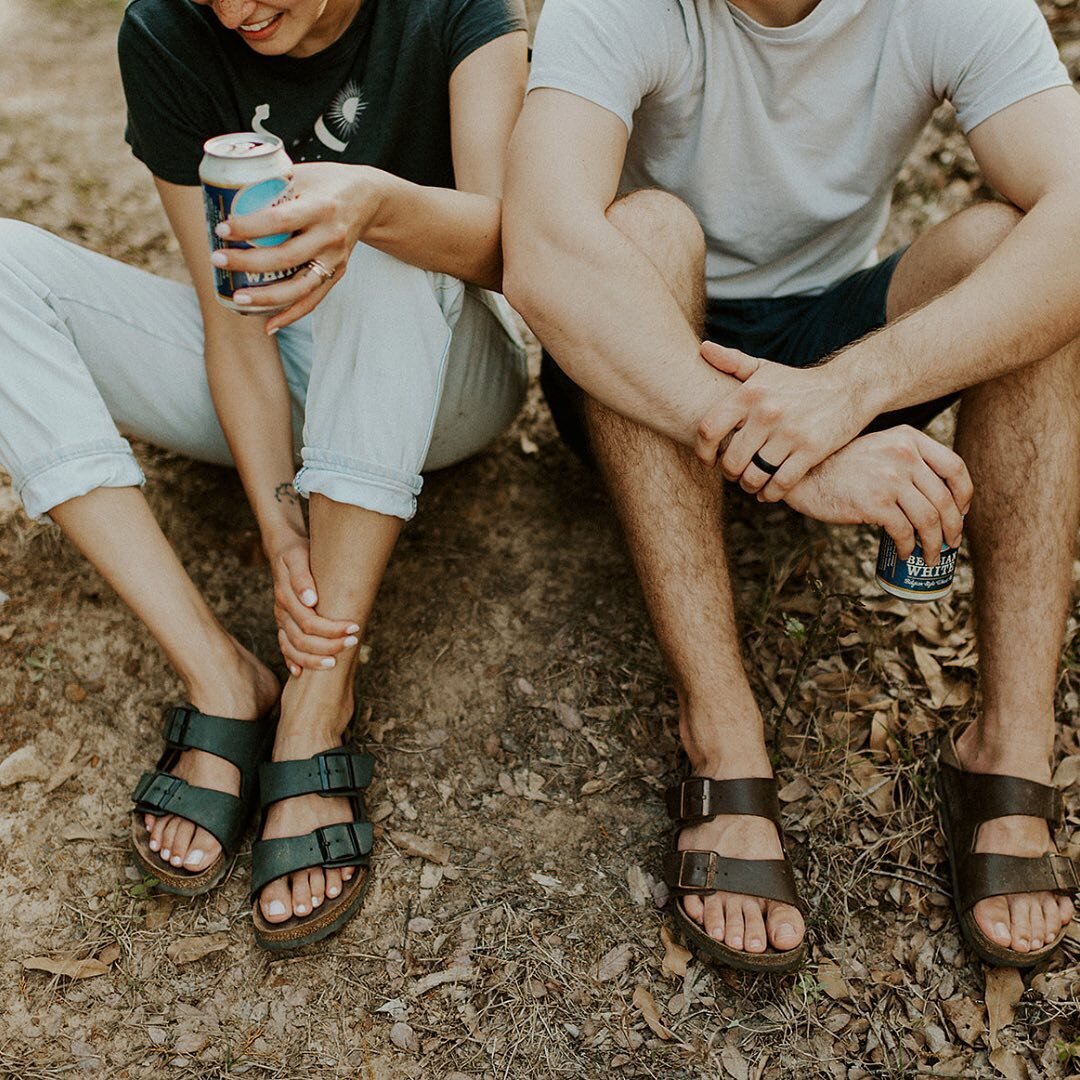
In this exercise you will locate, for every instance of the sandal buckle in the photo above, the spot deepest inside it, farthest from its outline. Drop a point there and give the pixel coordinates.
(700, 791)
(331, 769)
(1066, 875)
(177, 722)
(694, 885)
(336, 842)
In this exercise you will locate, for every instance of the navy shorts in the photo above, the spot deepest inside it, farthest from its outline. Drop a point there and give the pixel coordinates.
(797, 331)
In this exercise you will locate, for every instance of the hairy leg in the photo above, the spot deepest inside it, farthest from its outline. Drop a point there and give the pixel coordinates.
(1020, 437)
(350, 548)
(115, 530)
(670, 506)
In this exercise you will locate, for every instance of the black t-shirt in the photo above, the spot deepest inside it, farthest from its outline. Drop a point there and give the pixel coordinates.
(379, 95)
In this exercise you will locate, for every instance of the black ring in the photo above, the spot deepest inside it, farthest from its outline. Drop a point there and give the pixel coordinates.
(764, 466)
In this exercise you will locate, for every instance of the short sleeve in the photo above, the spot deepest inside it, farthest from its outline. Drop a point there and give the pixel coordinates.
(990, 54)
(471, 24)
(169, 107)
(613, 53)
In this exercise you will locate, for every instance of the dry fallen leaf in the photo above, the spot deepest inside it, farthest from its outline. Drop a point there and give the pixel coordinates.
(567, 715)
(832, 981)
(78, 832)
(403, 1037)
(676, 958)
(70, 968)
(158, 911)
(188, 949)
(966, 1017)
(877, 787)
(942, 691)
(1011, 1066)
(1067, 773)
(798, 789)
(22, 765)
(1004, 988)
(190, 1043)
(644, 1002)
(735, 1065)
(433, 850)
(67, 768)
(614, 963)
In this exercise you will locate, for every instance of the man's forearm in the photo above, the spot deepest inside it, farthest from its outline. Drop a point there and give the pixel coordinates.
(1019, 306)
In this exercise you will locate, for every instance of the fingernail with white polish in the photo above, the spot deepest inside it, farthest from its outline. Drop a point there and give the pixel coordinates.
(328, 662)
(194, 858)
(308, 597)
(219, 258)
(350, 641)
(241, 298)
(222, 229)
(276, 907)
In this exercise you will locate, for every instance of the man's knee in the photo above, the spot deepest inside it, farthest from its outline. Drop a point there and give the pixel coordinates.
(663, 226)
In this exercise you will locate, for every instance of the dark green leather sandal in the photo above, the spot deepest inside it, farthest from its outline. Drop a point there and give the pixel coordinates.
(700, 799)
(243, 742)
(331, 774)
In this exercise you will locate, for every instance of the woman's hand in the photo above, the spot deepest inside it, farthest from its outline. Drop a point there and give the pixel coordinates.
(332, 206)
(305, 638)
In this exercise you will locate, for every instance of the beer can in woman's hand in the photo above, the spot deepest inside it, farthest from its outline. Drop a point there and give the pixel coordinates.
(241, 173)
(912, 578)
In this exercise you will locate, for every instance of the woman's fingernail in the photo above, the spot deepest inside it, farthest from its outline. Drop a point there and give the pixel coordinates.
(222, 229)
(350, 641)
(309, 597)
(352, 628)
(328, 662)
(275, 907)
(219, 258)
(272, 330)
(241, 298)
(295, 671)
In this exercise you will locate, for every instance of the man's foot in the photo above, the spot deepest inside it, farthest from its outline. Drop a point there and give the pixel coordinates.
(302, 892)
(242, 689)
(1023, 922)
(745, 923)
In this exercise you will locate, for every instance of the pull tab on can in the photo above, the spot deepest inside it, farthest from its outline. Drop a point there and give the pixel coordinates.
(913, 579)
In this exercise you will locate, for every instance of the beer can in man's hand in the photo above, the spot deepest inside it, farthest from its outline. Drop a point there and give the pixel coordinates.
(241, 173)
(912, 578)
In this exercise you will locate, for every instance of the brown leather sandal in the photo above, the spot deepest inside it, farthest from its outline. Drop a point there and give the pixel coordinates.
(969, 799)
(698, 800)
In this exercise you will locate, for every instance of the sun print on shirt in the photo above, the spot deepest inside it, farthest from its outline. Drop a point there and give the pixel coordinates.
(333, 129)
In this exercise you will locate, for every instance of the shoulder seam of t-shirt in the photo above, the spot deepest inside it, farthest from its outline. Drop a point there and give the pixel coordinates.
(487, 26)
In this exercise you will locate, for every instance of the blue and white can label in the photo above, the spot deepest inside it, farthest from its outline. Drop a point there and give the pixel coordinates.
(913, 579)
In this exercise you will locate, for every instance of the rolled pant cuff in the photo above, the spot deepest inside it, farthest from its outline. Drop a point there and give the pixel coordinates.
(76, 471)
(359, 483)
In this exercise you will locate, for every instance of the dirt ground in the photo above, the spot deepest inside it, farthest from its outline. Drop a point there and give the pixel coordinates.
(522, 724)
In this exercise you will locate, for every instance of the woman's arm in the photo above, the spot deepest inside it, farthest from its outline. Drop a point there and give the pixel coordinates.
(253, 404)
(452, 231)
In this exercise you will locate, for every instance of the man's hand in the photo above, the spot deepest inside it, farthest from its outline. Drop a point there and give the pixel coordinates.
(305, 638)
(900, 479)
(791, 418)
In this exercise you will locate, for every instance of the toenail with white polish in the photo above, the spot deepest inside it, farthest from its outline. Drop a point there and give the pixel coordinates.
(331, 892)
(194, 858)
(176, 860)
(165, 853)
(316, 901)
(154, 845)
(275, 907)
(300, 909)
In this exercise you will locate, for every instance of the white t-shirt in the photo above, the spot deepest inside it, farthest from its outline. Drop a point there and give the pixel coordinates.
(786, 141)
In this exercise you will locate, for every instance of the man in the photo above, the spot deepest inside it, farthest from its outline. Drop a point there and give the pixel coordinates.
(689, 166)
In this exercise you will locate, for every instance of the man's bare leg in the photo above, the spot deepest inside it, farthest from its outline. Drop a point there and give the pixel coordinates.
(115, 530)
(1020, 437)
(350, 548)
(670, 507)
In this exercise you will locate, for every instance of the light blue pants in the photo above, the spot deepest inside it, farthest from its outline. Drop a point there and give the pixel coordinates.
(397, 370)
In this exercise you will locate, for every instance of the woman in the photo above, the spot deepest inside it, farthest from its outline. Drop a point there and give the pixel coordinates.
(398, 115)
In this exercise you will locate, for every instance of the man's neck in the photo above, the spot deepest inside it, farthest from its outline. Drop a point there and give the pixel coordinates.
(776, 12)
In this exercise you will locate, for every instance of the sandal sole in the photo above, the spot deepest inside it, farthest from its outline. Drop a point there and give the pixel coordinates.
(990, 952)
(325, 921)
(169, 878)
(708, 948)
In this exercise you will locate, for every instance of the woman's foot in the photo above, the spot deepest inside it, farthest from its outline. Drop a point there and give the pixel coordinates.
(239, 687)
(299, 738)
(1023, 922)
(745, 923)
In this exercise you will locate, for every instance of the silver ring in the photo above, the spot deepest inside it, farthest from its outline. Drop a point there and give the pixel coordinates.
(321, 270)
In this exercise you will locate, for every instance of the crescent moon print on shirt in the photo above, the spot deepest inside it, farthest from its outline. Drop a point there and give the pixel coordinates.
(334, 128)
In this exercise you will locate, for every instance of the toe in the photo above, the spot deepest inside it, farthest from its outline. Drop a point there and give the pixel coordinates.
(994, 921)
(1051, 916)
(712, 916)
(301, 893)
(317, 884)
(347, 873)
(167, 838)
(754, 922)
(1038, 922)
(694, 907)
(157, 834)
(785, 926)
(733, 912)
(181, 842)
(276, 901)
(149, 821)
(203, 851)
(333, 883)
(1020, 921)
(1066, 910)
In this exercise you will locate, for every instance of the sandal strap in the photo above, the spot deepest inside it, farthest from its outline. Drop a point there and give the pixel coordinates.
(334, 772)
(707, 872)
(989, 795)
(986, 875)
(700, 799)
(241, 742)
(347, 844)
(218, 812)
